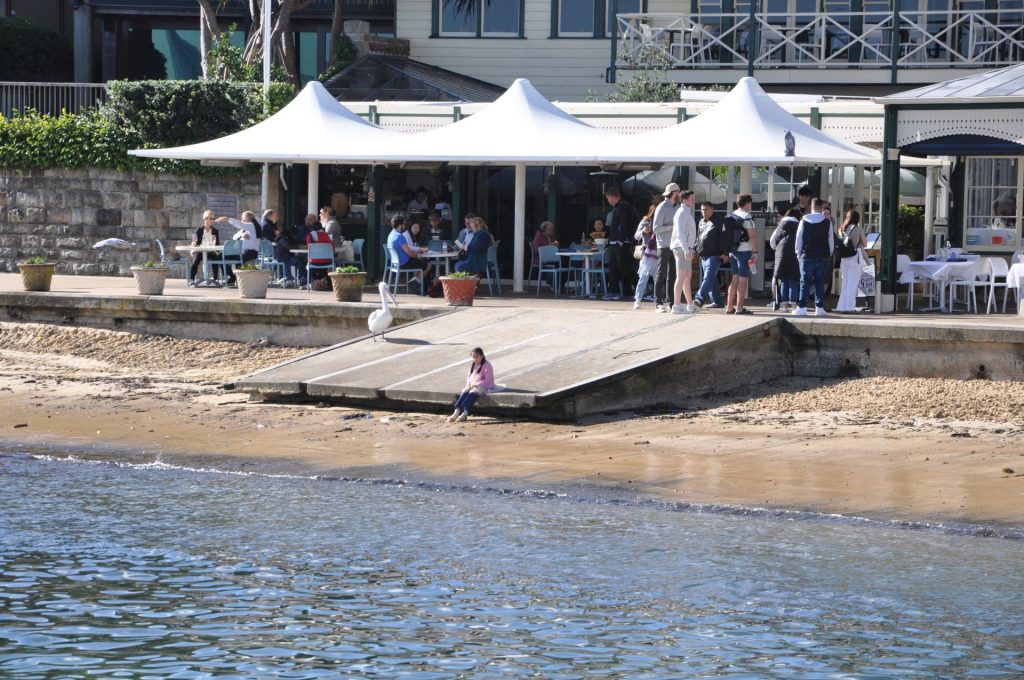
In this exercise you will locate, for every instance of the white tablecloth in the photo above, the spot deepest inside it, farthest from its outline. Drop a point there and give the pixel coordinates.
(940, 272)
(1015, 277)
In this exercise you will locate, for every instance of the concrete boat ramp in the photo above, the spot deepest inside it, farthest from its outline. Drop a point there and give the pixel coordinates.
(555, 363)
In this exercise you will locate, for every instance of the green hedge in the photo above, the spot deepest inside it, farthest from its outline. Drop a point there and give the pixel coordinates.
(137, 115)
(32, 53)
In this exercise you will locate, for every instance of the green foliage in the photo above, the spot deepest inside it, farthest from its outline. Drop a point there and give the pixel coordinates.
(225, 61)
(910, 231)
(150, 264)
(250, 267)
(647, 80)
(344, 54)
(32, 53)
(461, 275)
(347, 269)
(35, 260)
(140, 114)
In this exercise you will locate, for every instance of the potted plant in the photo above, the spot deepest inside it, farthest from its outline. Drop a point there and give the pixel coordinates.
(150, 278)
(252, 281)
(348, 283)
(459, 288)
(36, 273)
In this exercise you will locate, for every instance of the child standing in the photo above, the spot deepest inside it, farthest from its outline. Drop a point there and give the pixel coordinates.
(649, 262)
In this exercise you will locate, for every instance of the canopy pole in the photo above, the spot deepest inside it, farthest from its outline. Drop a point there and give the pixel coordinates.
(771, 193)
(520, 229)
(313, 190)
(267, 56)
(746, 178)
(858, 195)
(929, 208)
(265, 187)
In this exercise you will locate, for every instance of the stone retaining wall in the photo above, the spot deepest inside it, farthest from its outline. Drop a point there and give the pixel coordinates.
(60, 214)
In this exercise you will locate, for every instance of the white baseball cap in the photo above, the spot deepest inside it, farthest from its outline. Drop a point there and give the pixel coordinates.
(669, 188)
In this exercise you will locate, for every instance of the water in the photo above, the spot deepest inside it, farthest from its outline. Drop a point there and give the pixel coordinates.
(147, 571)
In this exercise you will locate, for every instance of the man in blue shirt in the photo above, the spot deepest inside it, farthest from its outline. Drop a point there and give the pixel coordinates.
(407, 257)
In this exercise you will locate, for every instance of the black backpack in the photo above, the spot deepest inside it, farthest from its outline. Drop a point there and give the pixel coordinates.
(845, 247)
(734, 225)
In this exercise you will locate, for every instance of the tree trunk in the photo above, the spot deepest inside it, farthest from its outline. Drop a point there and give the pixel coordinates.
(337, 26)
(209, 28)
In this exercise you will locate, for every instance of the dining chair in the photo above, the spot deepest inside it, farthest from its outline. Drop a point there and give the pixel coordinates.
(395, 271)
(230, 257)
(927, 285)
(318, 251)
(533, 262)
(493, 272)
(998, 270)
(968, 281)
(549, 263)
(357, 252)
(267, 260)
(597, 272)
(169, 263)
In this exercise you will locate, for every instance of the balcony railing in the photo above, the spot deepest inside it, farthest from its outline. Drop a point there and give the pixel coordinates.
(869, 40)
(49, 98)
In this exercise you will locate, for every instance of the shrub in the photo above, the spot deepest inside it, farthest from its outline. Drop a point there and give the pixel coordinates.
(347, 269)
(910, 231)
(30, 52)
(461, 275)
(150, 264)
(250, 267)
(35, 260)
(344, 54)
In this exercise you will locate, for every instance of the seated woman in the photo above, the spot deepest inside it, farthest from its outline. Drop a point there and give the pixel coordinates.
(206, 235)
(479, 382)
(415, 236)
(545, 236)
(476, 251)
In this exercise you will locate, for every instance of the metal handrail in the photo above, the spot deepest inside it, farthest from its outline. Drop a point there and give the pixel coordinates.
(49, 98)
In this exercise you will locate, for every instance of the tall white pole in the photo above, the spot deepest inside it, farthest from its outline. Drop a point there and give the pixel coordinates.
(519, 249)
(265, 180)
(931, 179)
(313, 192)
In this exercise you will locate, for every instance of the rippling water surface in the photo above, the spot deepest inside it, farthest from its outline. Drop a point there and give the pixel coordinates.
(119, 571)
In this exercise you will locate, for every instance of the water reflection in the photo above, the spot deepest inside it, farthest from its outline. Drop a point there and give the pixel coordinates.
(169, 573)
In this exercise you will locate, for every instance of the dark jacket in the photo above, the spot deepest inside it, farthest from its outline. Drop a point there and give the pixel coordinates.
(198, 236)
(786, 264)
(476, 253)
(622, 221)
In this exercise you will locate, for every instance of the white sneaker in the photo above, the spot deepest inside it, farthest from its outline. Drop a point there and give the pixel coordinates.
(463, 416)
(680, 309)
(661, 309)
(820, 311)
(453, 417)
(692, 309)
(800, 311)
(636, 305)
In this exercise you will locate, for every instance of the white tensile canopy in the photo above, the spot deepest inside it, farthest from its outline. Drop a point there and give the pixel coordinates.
(748, 128)
(314, 127)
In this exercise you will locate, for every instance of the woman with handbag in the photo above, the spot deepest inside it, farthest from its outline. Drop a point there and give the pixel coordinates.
(479, 382)
(851, 261)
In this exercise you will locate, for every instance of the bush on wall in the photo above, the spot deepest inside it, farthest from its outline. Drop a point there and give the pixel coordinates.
(138, 114)
(29, 52)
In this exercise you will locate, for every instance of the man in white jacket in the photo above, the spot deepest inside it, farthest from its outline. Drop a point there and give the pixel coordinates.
(684, 241)
(662, 226)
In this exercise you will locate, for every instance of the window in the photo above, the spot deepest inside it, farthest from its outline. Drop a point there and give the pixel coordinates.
(992, 213)
(495, 18)
(576, 18)
(625, 7)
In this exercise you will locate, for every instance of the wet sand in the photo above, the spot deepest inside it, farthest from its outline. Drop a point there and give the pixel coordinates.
(887, 448)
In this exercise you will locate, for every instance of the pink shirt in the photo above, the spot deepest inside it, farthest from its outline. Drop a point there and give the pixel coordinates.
(481, 380)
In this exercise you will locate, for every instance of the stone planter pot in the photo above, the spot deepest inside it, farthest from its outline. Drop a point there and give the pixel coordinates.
(459, 292)
(348, 287)
(150, 280)
(253, 283)
(36, 277)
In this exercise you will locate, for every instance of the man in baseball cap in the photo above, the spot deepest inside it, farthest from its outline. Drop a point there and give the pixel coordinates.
(662, 225)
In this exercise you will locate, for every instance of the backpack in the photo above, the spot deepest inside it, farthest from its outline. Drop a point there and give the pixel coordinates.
(845, 248)
(734, 225)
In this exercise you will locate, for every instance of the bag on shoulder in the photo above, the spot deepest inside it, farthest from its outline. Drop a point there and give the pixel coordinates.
(734, 225)
(845, 247)
(638, 252)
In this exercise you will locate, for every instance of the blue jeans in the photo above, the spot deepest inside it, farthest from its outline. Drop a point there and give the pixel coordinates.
(790, 289)
(466, 401)
(709, 280)
(813, 270)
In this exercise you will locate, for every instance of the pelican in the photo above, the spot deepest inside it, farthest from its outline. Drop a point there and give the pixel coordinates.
(113, 243)
(381, 318)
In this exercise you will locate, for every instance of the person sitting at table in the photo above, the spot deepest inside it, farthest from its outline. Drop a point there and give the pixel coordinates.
(436, 230)
(545, 236)
(206, 235)
(286, 239)
(330, 224)
(420, 204)
(318, 235)
(268, 225)
(465, 234)
(476, 252)
(408, 258)
(414, 236)
(246, 232)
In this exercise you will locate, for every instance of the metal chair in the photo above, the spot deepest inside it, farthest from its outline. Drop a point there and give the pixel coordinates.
(493, 272)
(394, 271)
(533, 261)
(169, 263)
(231, 257)
(267, 260)
(357, 252)
(318, 251)
(598, 272)
(550, 263)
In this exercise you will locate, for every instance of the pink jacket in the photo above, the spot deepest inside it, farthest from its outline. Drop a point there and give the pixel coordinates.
(480, 381)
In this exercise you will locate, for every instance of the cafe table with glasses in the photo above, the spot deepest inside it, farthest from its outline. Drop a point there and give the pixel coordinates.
(441, 257)
(204, 250)
(944, 268)
(584, 255)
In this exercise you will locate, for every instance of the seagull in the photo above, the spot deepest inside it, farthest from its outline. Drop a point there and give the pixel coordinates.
(113, 243)
(381, 318)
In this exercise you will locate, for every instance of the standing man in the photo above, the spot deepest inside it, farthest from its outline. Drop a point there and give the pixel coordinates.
(814, 245)
(803, 200)
(684, 239)
(743, 255)
(621, 225)
(662, 225)
(713, 244)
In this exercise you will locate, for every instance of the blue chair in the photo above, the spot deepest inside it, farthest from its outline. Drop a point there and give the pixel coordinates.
(597, 273)
(533, 261)
(394, 271)
(318, 251)
(231, 257)
(549, 263)
(357, 252)
(169, 263)
(493, 272)
(268, 260)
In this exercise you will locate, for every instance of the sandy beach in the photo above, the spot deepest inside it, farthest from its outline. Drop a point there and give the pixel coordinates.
(888, 448)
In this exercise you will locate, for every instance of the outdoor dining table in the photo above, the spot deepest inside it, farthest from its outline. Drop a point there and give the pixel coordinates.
(585, 256)
(204, 250)
(1015, 279)
(441, 257)
(942, 273)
